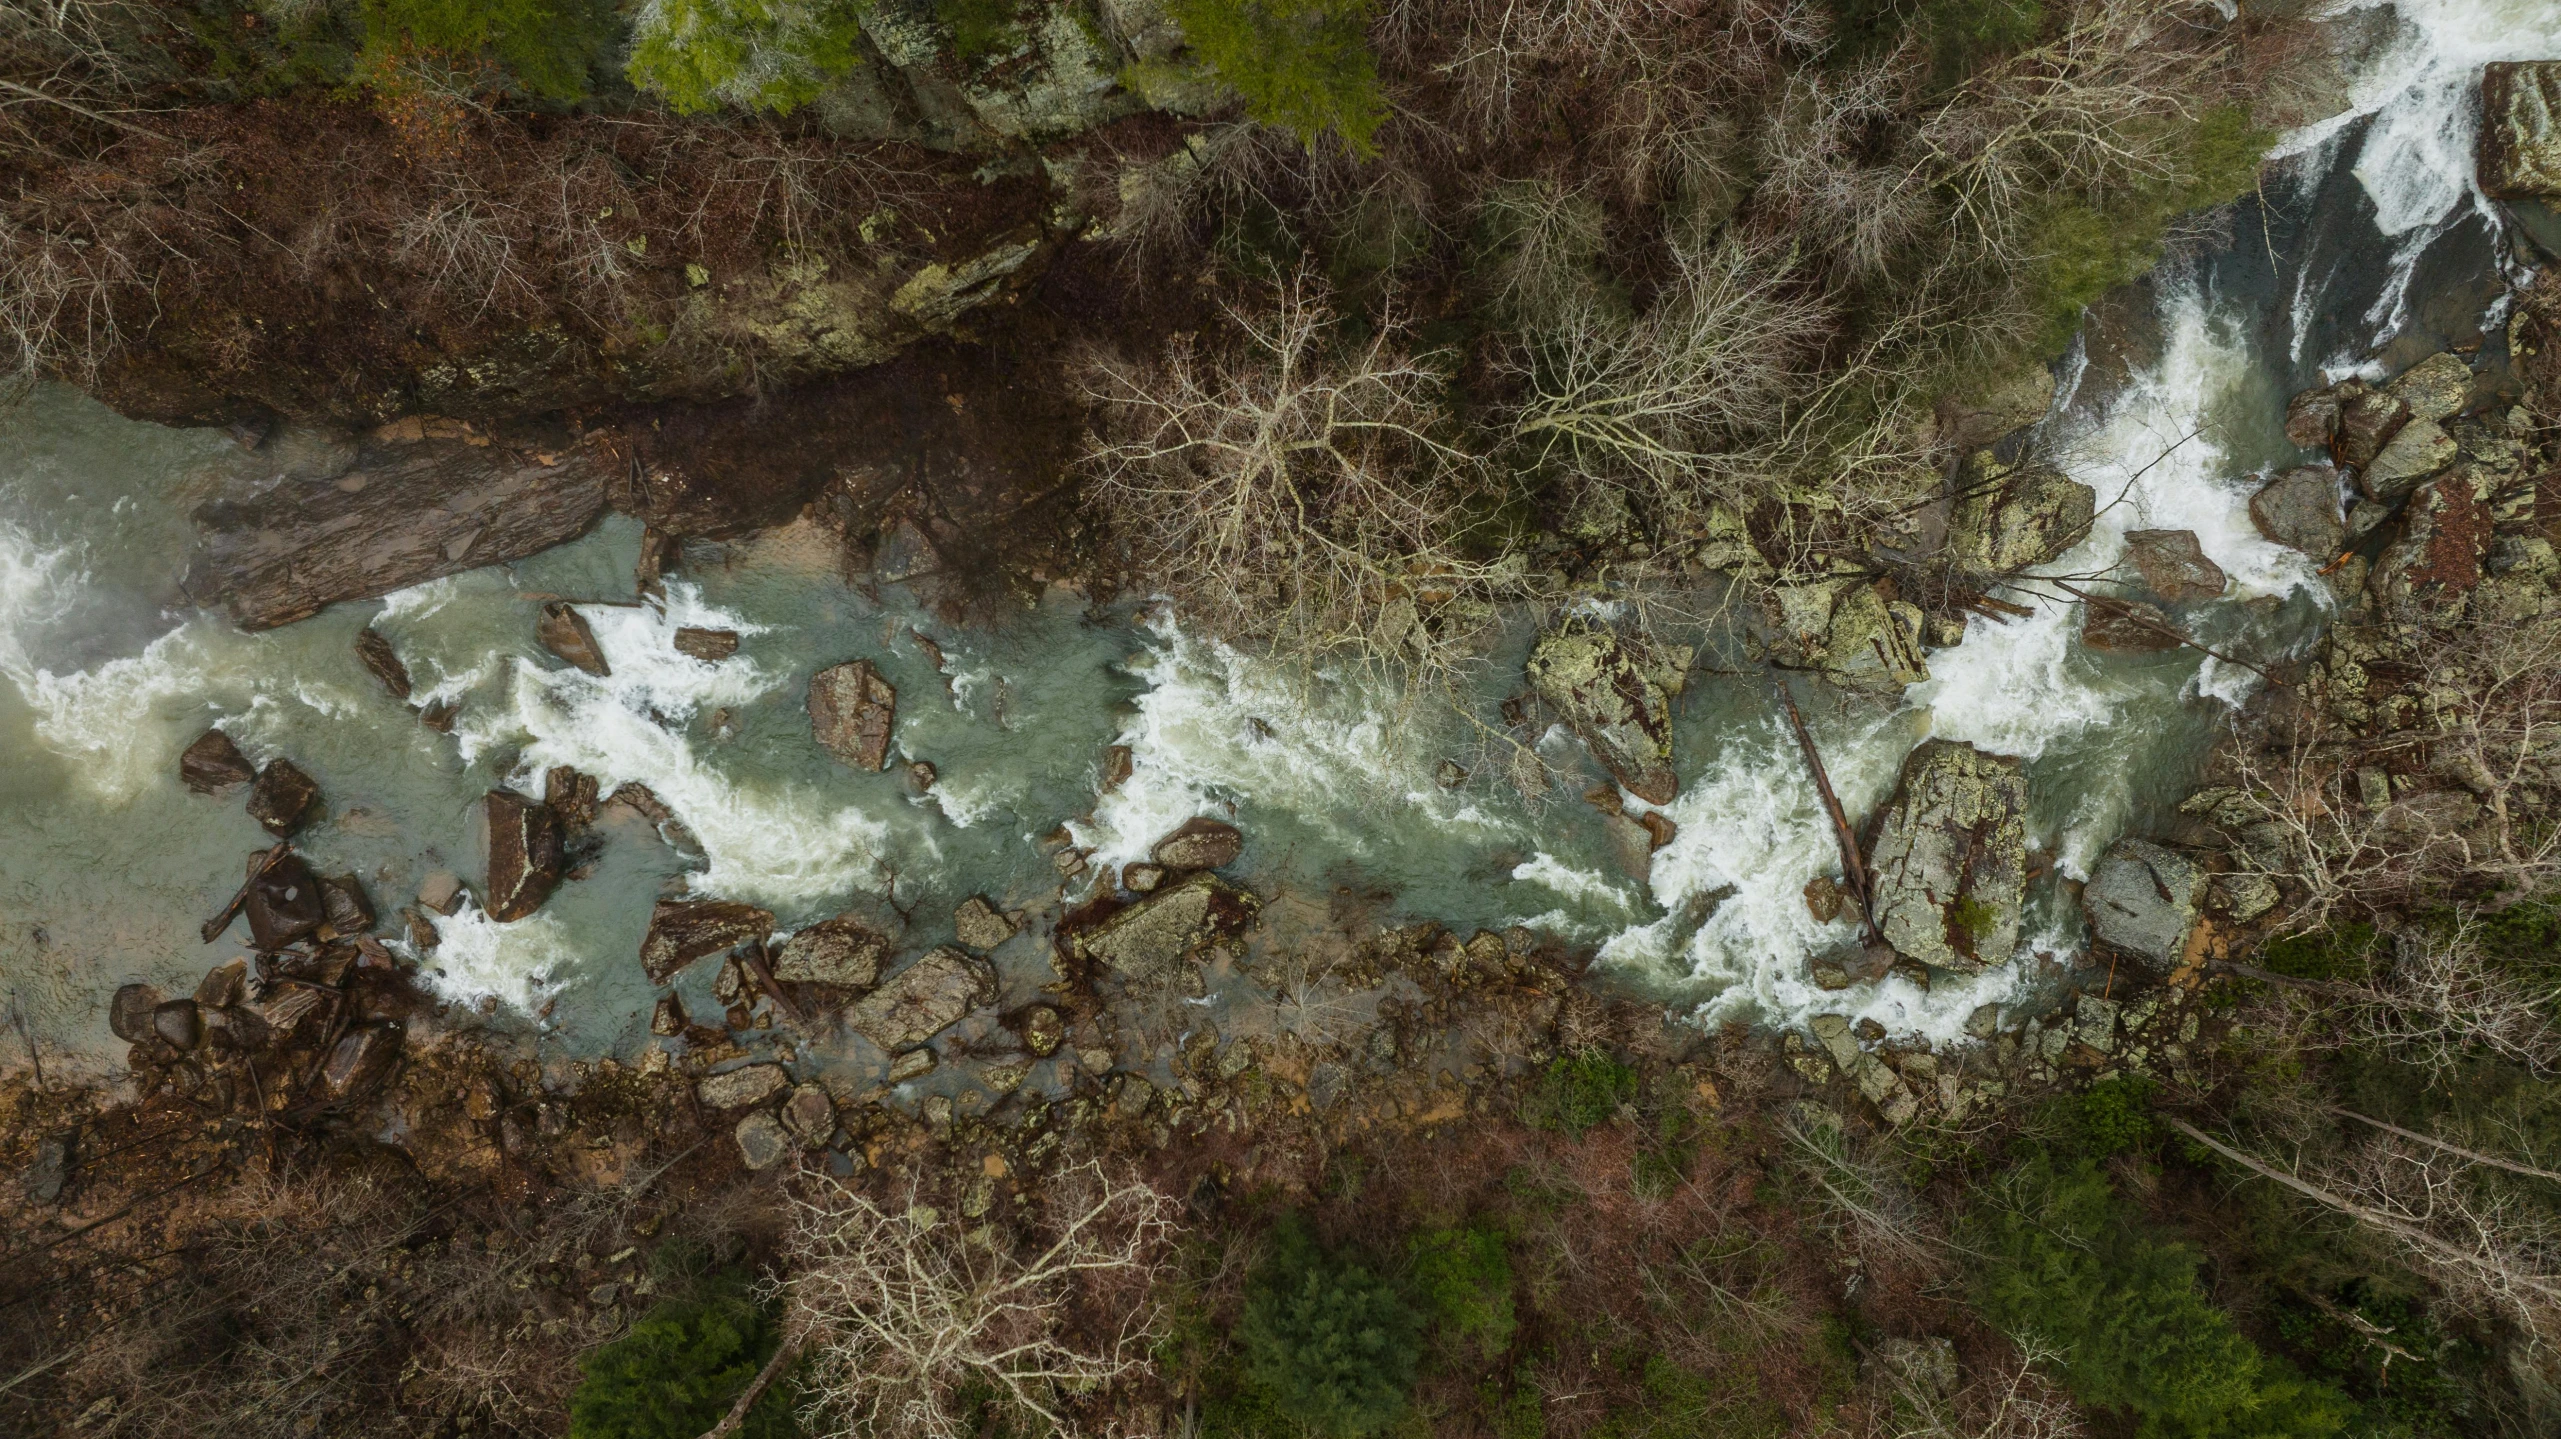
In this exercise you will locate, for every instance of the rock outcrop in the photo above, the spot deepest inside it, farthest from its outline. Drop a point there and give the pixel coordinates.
(1949, 864)
(1617, 703)
(851, 713)
(924, 999)
(392, 515)
(684, 930)
(213, 764)
(1199, 843)
(2521, 129)
(737, 1088)
(2300, 509)
(525, 854)
(1847, 629)
(566, 633)
(843, 952)
(2174, 566)
(2143, 899)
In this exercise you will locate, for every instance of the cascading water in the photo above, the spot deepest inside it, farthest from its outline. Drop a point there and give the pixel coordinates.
(106, 864)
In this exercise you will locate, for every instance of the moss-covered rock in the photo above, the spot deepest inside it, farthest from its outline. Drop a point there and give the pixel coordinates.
(2007, 517)
(1950, 861)
(1604, 689)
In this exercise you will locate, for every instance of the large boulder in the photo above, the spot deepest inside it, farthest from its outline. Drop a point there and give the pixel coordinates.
(401, 514)
(762, 1140)
(2300, 510)
(2174, 566)
(2435, 388)
(924, 999)
(737, 1088)
(851, 712)
(2521, 129)
(1949, 865)
(2143, 899)
(1621, 709)
(525, 854)
(2418, 450)
(566, 633)
(282, 798)
(2007, 518)
(1157, 940)
(844, 952)
(1847, 629)
(213, 764)
(361, 1060)
(2369, 419)
(1199, 843)
(684, 930)
(285, 902)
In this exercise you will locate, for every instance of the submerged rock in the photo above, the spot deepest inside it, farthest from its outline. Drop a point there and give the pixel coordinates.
(843, 951)
(376, 654)
(1199, 843)
(1620, 710)
(1950, 861)
(2143, 899)
(566, 633)
(524, 854)
(282, 797)
(2521, 129)
(684, 930)
(1156, 940)
(213, 764)
(924, 999)
(402, 514)
(2127, 626)
(2300, 509)
(2009, 518)
(2174, 566)
(981, 925)
(851, 712)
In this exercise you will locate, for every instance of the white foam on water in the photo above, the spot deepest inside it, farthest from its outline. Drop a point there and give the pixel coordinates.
(772, 843)
(1337, 757)
(476, 957)
(1588, 889)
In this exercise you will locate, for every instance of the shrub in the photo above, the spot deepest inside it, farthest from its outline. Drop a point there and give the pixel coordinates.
(1332, 1344)
(544, 46)
(1303, 65)
(754, 54)
(2065, 1265)
(678, 1371)
(2114, 1115)
(978, 27)
(2336, 953)
(1580, 1091)
(1464, 1278)
(1682, 1404)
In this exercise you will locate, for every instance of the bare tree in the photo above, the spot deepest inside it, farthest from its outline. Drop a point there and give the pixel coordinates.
(2013, 1400)
(2429, 1001)
(1290, 493)
(898, 1307)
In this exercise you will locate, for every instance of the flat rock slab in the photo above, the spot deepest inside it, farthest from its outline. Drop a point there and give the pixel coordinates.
(980, 925)
(400, 515)
(851, 712)
(525, 855)
(1200, 843)
(1157, 940)
(1950, 861)
(2143, 899)
(709, 646)
(924, 999)
(1623, 713)
(743, 1086)
(684, 930)
(2420, 449)
(843, 951)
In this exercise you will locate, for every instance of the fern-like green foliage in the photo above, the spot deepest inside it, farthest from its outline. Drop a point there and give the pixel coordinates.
(1333, 1345)
(678, 1371)
(772, 55)
(1579, 1091)
(1464, 1278)
(2066, 1264)
(1304, 65)
(2114, 1115)
(545, 47)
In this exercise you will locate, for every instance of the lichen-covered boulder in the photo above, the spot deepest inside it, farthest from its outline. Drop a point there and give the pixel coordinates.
(2521, 129)
(2420, 449)
(2300, 510)
(2007, 518)
(844, 952)
(743, 1086)
(2143, 900)
(1199, 843)
(684, 930)
(1621, 708)
(1950, 862)
(2434, 388)
(924, 999)
(851, 712)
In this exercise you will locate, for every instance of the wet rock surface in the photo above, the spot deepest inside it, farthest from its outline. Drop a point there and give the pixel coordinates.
(2127, 626)
(2521, 129)
(285, 903)
(525, 854)
(213, 764)
(1950, 859)
(684, 930)
(282, 798)
(566, 633)
(2010, 517)
(1159, 939)
(851, 713)
(2174, 566)
(396, 515)
(709, 646)
(375, 653)
(1620, 708)
(924, 999)
(1200, 843)
(981, 925)
(2300, 509)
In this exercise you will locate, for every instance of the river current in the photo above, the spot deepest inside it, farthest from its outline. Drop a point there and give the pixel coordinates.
(2364, 223)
